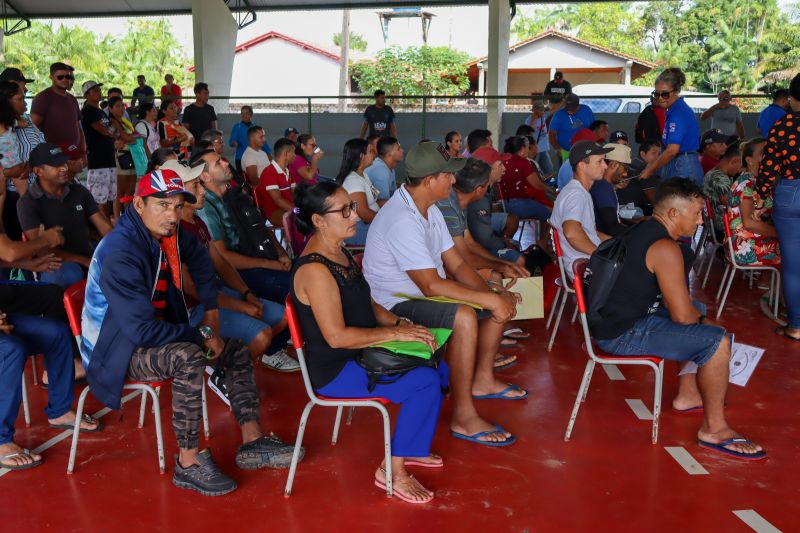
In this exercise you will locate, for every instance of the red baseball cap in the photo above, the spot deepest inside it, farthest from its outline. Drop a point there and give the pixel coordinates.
(71, 150)
(583, 134)
(163, 183)
(489, 155)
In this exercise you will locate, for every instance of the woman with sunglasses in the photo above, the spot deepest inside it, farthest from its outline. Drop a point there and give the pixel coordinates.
(339, 318)
(681, 137)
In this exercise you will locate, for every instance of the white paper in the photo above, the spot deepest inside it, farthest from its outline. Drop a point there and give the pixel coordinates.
(744, 359)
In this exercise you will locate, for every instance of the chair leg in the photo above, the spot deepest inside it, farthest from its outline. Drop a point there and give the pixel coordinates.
(73, 451)
(335, 436)
(26, 408)
(350, 414)
(159, 434)
(574, 313)
(725, 294)
(722, 282)
(589, 381)
(657, 400)
(564, 298)
(35, 370)
(587, 374)
(297, 444)
(387, 446)
(710, 264)
(203, 399)
(142, 409)
(775, 291)
(553, 308)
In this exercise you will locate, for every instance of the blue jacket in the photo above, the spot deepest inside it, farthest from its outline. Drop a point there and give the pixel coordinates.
(118, 315)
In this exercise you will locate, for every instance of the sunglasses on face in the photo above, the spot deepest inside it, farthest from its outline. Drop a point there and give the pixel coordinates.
(61, 77)
(346, 211)
(662, 94)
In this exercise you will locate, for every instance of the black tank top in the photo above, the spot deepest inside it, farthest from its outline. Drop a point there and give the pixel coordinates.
(325, 363)
(636, 292)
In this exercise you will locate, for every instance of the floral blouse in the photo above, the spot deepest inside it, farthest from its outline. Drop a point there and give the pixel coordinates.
(750, 248)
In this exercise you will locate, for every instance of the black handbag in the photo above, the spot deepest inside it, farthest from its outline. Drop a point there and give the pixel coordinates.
(125, 160)
(381, 364)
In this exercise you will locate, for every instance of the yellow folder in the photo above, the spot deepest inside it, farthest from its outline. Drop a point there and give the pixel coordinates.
(531, 290)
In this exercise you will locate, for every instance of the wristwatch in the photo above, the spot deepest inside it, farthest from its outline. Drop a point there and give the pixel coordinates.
(206, 332)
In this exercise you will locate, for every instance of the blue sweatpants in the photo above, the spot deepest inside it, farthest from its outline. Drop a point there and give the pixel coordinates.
(35, 335)
(419, 393)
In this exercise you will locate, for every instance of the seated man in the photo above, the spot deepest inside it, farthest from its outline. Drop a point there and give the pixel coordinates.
(565, 171)
(604, 191)
(381, 172)
(275, 186)
(408, 250)
(261, 324)
(268, 278)
(650, 311)
(33, 321)
(640, 192)
(573, 212)
(53, 200)
(136, 326)
(254, 159)
(717, 184)
(713, 144)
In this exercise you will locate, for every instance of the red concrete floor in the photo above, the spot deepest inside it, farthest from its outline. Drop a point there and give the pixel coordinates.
(609, 477)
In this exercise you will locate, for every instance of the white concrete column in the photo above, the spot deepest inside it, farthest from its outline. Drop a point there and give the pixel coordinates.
(481, 80)
(497, 76)
(552, 72)
(214, 30)
(628, 67)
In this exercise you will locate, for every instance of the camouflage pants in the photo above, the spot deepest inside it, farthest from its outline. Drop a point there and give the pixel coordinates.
(184, 363)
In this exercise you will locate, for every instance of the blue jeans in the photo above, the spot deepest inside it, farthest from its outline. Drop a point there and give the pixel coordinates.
(35, 335)
(360, 238)
(786, 216)
(684, 166)
(508, 254)
(527, 208)
(656, 334)
(64, 277)
(419, 393)
(545, 163)
(272, 285)
(499, 221)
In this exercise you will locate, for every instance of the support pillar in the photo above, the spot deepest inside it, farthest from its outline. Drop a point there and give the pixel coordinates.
(215, 31)
(497, 63)
(628, 67)
(481, 80)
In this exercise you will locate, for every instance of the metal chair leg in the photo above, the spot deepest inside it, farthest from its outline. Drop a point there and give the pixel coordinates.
(657, 399)
(710, 264)
(578, 398)
(142, 409)
(776, 291)
(76, 430)
(387, 446)
(203, 398)
(553, 308)
(35, 370)
(589, 381)
(26, 408)
(159, 434)
(722, 282)
(336, 424)
(725, 295)
(350, 414)
(564, 297)
(574, 314)
(296, 454)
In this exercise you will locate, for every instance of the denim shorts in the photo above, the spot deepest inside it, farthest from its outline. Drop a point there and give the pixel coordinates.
(657, 335)
(238, 325)
(509, 254)
(499, 222)
(527, 208)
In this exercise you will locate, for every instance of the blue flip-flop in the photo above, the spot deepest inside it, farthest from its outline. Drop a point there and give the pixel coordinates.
(502, 394)
(476, 438)
(720, 447)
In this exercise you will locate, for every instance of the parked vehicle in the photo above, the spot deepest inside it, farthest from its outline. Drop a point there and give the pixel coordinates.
(620, 98)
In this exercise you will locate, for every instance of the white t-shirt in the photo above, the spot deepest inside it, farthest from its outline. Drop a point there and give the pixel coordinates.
(150, 134)
(259, 158)
(401, 239)
(574, 203)
(355, 183)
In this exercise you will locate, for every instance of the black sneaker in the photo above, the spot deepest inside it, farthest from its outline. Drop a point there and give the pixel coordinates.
(266, 452)
(216, 382)
(206, 478)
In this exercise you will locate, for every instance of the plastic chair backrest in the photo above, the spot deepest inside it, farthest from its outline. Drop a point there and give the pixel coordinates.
(73, 303)
(708, 217)
(579, 269)
(297, 240)
(293, 322)
(359, 259)
(559, 256)
(556, 242)
(727, 221)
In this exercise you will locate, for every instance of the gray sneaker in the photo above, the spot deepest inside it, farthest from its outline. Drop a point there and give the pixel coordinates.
(266, 452)
(280, 361)
(206, 478)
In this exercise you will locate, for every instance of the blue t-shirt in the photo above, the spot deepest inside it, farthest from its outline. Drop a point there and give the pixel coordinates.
(382, 178)
(768, 117)
(565, 125)
(565, 174)
(603, 196)
(681, 128)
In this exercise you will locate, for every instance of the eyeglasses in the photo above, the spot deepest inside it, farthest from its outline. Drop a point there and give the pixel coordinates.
(662, 94)
(346, 211)
(61, 77)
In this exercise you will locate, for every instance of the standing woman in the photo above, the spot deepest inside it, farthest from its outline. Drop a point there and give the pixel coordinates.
(147, 128)
(681, 139)
(305, 167)
(452, 142)
(171, 133)
(15, 169)
(129, 142)
(28, 135)
(356, 157)
(779, 178)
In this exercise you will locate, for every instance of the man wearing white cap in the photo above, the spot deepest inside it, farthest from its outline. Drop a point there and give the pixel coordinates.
(604, 195)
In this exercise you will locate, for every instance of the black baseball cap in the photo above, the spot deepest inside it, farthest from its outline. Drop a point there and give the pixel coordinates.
(289, 130)
(58, 65)
(48, 154)
(572, 101)
(558, 74)
(618, 135)
(583, 149)
(13, 74)
(713, 136)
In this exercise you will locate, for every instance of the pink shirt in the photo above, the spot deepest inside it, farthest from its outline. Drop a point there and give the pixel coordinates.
(298, 163)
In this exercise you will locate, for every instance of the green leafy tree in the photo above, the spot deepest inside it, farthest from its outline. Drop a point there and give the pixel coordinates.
(414, 71)
(357, 41)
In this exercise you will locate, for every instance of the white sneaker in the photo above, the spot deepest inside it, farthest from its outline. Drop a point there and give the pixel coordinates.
(215, 383)
(280, 361)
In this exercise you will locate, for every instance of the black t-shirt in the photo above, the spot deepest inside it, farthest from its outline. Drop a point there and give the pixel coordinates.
(557, 91)
(378, 120)
(99, 148)
(199, 119)
(71, 211)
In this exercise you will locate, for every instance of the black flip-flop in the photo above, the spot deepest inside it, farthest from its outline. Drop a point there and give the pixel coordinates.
(782, 332)
(87, 419)
(25, 451)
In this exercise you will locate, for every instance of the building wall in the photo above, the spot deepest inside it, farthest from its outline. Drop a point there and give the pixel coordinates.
(554, 52)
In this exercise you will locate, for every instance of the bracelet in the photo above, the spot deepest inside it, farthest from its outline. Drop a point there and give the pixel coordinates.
(245, 293)
(403, 319)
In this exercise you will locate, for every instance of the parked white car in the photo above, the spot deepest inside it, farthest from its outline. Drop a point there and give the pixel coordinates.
(620, 98)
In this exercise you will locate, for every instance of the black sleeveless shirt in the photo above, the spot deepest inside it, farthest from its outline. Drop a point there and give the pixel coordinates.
(325, 363)
(636, 293)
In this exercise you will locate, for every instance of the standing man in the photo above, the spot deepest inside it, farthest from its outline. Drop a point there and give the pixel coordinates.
(290, 133)
(540, 122)
(557, 90)
(379, 118)
(200, 116)
(774, 111)
(381, 171)
(575, 116)
(725, 116)
(56, 113)
(100, 136)
(172, 92)
(143, 93)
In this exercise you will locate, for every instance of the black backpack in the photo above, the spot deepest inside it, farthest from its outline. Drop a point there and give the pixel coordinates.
(255, 238)
(604, 267)
(536, 259)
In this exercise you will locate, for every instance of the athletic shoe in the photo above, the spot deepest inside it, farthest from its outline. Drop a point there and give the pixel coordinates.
(216, 382)
(280, 361)
(205, 478)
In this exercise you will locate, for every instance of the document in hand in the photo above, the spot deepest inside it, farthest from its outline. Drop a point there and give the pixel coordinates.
(532, 305)
(416, 348)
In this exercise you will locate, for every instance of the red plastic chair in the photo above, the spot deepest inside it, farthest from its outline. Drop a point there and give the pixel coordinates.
(339, 403)
(73, 303)
(732, 266)
(598, 356)
(563, 291)
(297, 241)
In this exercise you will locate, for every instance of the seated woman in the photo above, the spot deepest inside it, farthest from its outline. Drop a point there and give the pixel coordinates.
(357, 156)
(305, 167)
(755, 241)
(339, 318)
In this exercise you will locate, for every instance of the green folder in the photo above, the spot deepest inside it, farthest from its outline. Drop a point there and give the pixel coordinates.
(416, 348)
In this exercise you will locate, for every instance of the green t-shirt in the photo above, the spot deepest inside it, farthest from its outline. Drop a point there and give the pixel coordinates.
(216, 216)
